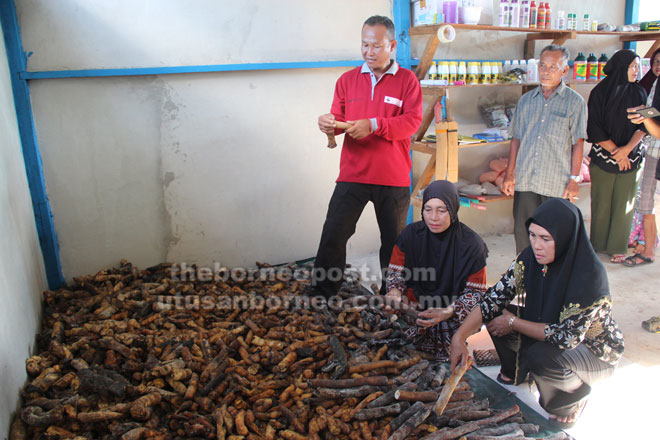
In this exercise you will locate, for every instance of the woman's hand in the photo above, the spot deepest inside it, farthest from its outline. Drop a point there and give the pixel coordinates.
(624, 164)
(458, 352)
(635, 117)
(392, 300)
(435, 316)
(622, 153)
(499, 326)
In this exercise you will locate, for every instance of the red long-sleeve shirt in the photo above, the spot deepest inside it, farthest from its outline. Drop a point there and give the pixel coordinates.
(383, 157)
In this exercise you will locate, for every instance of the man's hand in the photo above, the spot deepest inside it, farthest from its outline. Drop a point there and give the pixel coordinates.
(435, 316)
(571, 191)
(458, 352)
(508, 185)
(360, 129)
(499, 326)
(327, 123)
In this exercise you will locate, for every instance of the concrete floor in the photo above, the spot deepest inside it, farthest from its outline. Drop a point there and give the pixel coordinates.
(624, 406)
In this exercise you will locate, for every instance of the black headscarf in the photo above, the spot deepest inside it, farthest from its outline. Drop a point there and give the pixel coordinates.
(575, 277)
(648, 80)
(455, 254)
(608, 101)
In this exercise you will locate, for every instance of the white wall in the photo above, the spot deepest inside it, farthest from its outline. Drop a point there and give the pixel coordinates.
(22, 276)
(226, 167)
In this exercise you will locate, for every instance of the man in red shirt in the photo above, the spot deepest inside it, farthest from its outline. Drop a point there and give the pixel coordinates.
(383, 104)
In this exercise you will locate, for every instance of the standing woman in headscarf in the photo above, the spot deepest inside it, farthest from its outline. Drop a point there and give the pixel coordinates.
(616, 154)
(438, 264)
(562, 331)
(644, 252)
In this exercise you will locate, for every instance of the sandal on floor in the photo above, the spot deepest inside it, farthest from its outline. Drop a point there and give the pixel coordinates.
(633, 261)
(652, 324)
(617, 258)
(501, 379)
(566, 425)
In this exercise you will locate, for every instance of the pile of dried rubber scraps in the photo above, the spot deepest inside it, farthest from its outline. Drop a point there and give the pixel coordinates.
(143, 354)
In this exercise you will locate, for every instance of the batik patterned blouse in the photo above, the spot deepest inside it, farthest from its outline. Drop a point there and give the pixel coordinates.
(591, 324)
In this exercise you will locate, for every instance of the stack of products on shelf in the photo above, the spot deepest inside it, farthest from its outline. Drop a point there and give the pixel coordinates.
(456, 73)
(528, 15)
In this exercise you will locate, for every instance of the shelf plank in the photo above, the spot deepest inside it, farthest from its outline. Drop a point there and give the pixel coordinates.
(434, 88)
(484, 144)
(429, 29)
(423, 147)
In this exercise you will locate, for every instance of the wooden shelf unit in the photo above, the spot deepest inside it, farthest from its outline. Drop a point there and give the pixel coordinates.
(443, 160)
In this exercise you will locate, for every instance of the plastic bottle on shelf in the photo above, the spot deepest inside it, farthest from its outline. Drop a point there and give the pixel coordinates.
(548, 16)
(580, 68)
(515, 13)
(514, 65)
(462, 73)
(561, 20)
(532, 15)
(532, 71)
(586, 23)
(433, 71)
(443, 73)
(484, 74)
(540, 16)
(524, 14)
(495, 72)
(473, 73)
(523, 67)
(573, 26)
(592, 67)
(453, 72)
(504, 13)
(601, 65)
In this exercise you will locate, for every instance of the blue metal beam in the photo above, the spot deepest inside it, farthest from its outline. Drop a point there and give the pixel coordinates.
(401, 18)
(24, 75)
(632, 16)
(33, 166)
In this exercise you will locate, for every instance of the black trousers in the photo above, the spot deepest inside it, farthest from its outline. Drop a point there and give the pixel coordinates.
(563, 377)
(524, 205)
(346, 205)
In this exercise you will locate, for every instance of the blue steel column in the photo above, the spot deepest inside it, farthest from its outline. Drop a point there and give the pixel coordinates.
(401, 16)
(33, 166)
(632, 16)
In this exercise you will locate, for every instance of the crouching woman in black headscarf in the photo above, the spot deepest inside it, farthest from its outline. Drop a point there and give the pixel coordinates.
(562, 331)
(438, 265)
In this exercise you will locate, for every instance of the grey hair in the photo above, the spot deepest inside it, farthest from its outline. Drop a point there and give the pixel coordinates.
(565, 54)
(384, 21)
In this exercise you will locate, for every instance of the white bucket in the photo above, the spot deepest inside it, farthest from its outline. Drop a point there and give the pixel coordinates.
(469, 14)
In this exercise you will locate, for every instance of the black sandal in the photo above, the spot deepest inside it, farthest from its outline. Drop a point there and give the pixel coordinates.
(631, 261)
(502, 380)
